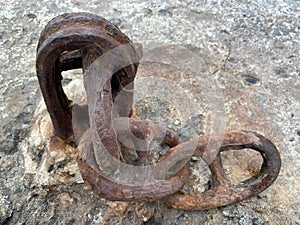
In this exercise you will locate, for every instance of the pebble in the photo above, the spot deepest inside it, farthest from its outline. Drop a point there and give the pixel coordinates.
(250, 80)
(164, 12)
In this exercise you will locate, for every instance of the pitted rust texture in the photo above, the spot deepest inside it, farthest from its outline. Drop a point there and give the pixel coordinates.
(60, 48)
(76, 40)
(67, 41)
(105, 188)
(222, 192)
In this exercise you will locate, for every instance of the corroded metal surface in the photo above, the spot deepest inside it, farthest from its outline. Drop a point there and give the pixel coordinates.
(106, 188)
(68, 33)
(222, 192)
(60, 48)
(77, 40)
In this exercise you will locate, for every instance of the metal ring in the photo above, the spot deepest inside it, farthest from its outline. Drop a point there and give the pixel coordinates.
(222, 192)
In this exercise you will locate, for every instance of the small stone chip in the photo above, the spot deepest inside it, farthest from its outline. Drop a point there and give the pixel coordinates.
(145, 211)
(31, 15)
(250, 80)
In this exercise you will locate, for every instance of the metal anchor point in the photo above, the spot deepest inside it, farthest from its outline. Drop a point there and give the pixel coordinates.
(110, 61)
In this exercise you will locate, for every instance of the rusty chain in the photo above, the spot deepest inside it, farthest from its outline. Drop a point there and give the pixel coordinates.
(78, 40)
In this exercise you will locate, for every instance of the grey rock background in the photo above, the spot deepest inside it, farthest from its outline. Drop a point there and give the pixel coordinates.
(253, 49)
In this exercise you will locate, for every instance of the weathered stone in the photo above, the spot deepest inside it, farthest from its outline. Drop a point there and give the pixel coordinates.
(252, 51)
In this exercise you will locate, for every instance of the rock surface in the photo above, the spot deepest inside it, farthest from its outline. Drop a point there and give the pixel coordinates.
(252, 52)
